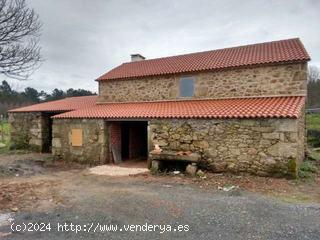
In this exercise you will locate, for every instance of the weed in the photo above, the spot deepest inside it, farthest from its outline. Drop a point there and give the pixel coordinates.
(308, 166)
(314, 156)
(313, 121)
(307, 170)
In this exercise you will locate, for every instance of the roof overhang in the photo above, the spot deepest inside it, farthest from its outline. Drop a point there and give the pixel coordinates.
(58, 106)
(258, 107)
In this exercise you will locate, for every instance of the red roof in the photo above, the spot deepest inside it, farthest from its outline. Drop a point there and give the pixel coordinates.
(266, 107)
(291, 50)
(67, 104)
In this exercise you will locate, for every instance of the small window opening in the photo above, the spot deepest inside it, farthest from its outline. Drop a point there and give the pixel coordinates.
(187, 87)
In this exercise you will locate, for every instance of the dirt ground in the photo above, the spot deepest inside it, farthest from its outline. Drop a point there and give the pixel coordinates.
(32, 181)
(282, 189)
(35, 188)
(35, 182)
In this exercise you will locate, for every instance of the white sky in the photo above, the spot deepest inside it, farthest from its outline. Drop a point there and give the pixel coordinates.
(82, 39)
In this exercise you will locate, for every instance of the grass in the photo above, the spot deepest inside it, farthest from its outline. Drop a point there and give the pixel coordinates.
(314, 156)
(313, 121)
(313, 127)
(4, 126)
(294, 198)
(310, 167)
(4, 136)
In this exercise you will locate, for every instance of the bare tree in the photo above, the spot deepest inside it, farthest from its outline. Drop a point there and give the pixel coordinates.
(313, 74)
(19, 34)
(313, 100)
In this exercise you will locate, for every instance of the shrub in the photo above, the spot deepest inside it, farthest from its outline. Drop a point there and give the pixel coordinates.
(308, 166)
(313, 137)
(307, 170)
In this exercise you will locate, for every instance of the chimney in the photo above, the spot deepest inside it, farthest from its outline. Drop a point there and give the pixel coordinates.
(137, 57)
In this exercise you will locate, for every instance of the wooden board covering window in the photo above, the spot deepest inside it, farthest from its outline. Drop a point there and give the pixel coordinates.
(76, 137)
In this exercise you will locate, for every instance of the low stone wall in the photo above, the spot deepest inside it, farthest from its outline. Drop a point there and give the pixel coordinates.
(258, 146)
(28, 130)
(95, 140)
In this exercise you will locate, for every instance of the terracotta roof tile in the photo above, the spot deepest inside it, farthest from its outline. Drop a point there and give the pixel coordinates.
(67, 104)
(291, 50)
(267, 107)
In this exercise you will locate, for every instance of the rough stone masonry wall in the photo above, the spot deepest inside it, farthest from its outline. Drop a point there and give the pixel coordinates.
(288, 79)
(95, 141)
(258, 146)
(28, 130)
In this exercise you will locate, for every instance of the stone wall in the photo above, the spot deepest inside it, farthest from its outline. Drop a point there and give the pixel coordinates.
(28, 130)
(95, 141)
(258, 146)
(288, 79)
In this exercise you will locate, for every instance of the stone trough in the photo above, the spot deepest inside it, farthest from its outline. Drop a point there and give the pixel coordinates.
(158, 158)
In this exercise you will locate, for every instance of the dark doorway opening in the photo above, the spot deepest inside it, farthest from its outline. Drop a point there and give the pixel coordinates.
(47, 132)
(134, 140)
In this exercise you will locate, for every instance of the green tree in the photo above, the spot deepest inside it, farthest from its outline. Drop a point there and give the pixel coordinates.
(55, 95)
(5, 88)
(78, 92)
(31, 94)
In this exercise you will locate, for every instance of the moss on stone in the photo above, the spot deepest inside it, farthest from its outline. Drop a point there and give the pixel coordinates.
(26, 131)
(292, 168)
(35, 148)
(19, 145)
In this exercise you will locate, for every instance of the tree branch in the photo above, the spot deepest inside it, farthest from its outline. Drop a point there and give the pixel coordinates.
(19, 33)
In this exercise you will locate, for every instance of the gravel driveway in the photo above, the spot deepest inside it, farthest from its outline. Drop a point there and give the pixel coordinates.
(99, 200)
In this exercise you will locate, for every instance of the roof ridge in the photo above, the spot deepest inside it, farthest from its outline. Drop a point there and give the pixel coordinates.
(95, 95)
(213, 50)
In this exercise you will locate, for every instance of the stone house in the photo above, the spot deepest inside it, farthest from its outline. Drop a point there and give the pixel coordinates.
(237, 109)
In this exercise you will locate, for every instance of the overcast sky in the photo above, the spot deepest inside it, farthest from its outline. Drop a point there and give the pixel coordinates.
(82, 39)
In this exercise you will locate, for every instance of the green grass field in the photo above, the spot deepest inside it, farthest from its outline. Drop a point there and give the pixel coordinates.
(4, 137)
(313, 127)
(311, 165)
(313, 121)
(4, 127)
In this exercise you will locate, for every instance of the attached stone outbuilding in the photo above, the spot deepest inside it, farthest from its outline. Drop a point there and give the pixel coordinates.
(31, 130)
(31, 126)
